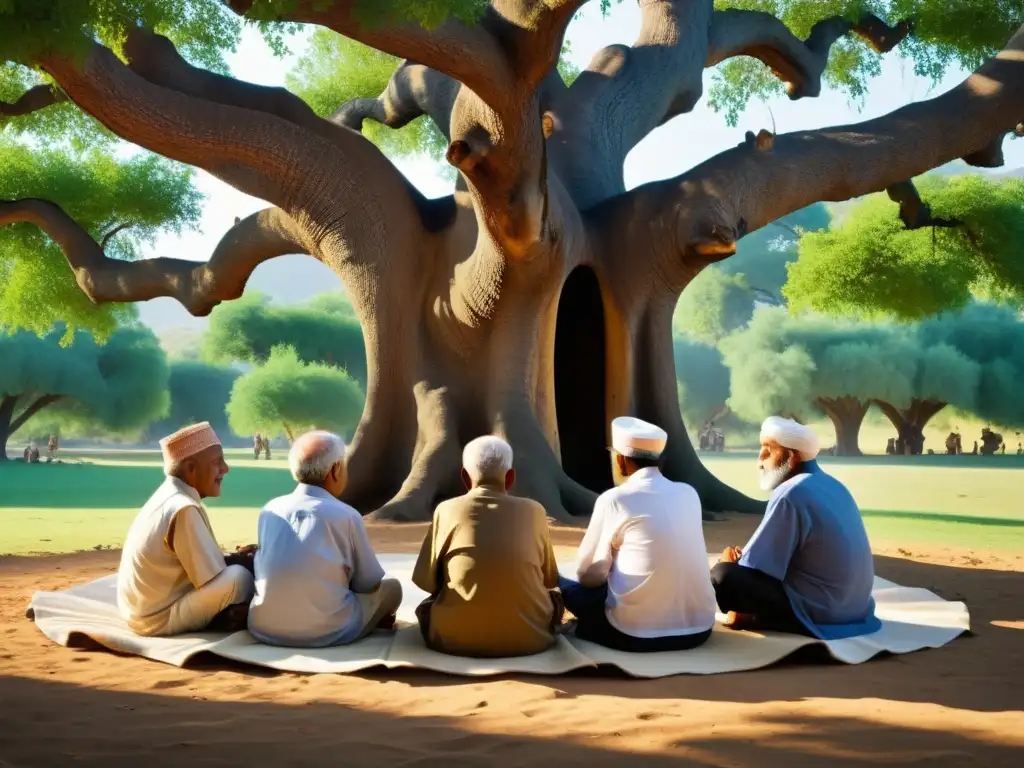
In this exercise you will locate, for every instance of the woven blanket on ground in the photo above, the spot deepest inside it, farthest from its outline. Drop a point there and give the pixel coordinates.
(912, 619)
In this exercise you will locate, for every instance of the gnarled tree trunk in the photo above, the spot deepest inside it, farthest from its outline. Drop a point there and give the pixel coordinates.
(847, 415)
(536, 301)
(910, 422)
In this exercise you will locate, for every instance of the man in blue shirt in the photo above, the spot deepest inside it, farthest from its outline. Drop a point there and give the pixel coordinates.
(318, 581)
(808, 568)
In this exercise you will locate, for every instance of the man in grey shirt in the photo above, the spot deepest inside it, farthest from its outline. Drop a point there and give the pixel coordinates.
(318, 581)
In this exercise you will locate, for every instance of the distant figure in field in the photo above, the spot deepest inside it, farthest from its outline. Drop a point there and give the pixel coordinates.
(975, 451)
(990, 442)
(808, 568)
(266, 447)
(1020, 449)
(890, 447)
(53, 445)
(318, 581)
(173, 576)
(31, 454)
(951, 444)
(487, 565)
(257, 446)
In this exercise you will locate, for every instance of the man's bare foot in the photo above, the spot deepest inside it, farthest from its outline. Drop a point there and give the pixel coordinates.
(739, 621)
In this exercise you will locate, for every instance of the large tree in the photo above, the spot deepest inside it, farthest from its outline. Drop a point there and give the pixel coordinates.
(248, 329)
(537, 300)
(119, 386)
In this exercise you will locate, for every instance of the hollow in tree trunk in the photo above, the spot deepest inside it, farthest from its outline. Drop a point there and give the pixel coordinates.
(910, 423)
(847, 415)
(536, 301)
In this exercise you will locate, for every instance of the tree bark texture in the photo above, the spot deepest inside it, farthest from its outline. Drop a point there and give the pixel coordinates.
(846, 414)
(910, 423)
(536, 301)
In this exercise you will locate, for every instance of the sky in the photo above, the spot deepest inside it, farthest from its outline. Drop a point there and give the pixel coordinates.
(668, 151)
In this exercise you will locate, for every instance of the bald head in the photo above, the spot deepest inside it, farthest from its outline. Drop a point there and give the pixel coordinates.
(314, 455)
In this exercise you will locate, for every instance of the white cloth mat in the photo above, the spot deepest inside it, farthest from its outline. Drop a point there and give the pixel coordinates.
(912, 619)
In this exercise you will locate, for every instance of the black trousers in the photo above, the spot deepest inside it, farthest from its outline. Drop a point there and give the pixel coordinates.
(755, 593)
(587, 605)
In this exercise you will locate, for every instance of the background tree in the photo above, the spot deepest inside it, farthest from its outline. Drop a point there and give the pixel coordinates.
(476, 307)
(248, 329)
(957, 242)
(799, 365)
(120, 203)
(287, 395)
(198, 392)
(118, 387)
(703, 382)
(993, 338)
(945, 376)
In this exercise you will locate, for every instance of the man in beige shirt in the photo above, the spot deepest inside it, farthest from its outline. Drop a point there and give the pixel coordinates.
(173, 577)
(488, 565)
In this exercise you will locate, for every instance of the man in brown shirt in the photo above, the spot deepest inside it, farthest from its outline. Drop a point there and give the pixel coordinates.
(488, 565)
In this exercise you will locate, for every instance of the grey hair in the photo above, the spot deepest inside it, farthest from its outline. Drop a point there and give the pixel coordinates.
(313, 455)
(487, 458)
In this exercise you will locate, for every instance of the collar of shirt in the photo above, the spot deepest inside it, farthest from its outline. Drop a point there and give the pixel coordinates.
(809, 467)
(182, 487)
(645, 475)
(304, 489)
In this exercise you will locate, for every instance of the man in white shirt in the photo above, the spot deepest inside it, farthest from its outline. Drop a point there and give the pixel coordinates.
(644, 583)
(318, 581)
(173, 577)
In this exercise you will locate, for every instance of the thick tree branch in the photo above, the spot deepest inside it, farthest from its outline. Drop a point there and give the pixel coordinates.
(744, 189)
(915, 213)
(199, 286)
(113, 233)
(329, 179)
(466, 52)
(155, 58)
(413, 91)
(34, 99)
(32, 410)
(798, 63)
(625, 93)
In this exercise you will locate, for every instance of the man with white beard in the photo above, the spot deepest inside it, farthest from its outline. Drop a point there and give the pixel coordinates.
(808, 568)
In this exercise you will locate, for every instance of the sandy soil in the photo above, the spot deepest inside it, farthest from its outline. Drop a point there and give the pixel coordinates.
(943, 707)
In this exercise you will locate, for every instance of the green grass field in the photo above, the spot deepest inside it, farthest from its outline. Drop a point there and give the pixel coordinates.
(966, 502)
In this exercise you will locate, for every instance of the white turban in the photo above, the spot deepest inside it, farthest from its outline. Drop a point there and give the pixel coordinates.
(637, 439)
(789, 434)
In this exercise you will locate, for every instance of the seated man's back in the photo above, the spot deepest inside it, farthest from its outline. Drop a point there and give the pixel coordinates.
(489, 564)
(831, 572)
(658, 582)
(313, 554)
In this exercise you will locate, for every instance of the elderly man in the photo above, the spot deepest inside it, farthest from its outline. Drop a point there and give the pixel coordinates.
(488, 565)
(808, 568)
(318, 581)
(173, 577)
(642, 567)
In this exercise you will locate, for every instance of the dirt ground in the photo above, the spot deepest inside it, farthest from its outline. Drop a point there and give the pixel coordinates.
(949, 706)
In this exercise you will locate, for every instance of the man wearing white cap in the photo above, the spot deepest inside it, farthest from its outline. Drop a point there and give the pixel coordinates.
(642, 567)
(808, 568)
(173, 577)
(318, 581)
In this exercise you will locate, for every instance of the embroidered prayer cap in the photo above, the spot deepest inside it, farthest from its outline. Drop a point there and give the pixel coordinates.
(637, 439)
(789, 434)
(187, 442)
